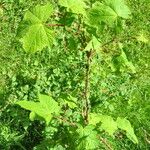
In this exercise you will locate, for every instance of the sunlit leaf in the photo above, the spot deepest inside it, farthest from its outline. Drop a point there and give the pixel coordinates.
(37, 36)
(142, 38)
(124, 124)
(108, 124)
(93, 44)
(45, 108)
(101, 13)
(119, 6)
(88, 138)
(76, 6)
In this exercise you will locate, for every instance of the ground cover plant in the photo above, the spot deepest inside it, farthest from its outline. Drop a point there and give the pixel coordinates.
(74, 75)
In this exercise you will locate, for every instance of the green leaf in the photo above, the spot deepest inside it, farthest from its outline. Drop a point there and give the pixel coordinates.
(37, 35)
(88, 138)
(142, 38)
(76, 6)
(45, 108)
(124, 124)
(69, 100)
(39, 14)
(95, 118)
(119, 6)
(37, 38)
(108, 124)
(123, 60)
(107, 12)
(101, 13)
(32, 116)
(1, 12)
(71, 104)
(93, 44)
(49, 104)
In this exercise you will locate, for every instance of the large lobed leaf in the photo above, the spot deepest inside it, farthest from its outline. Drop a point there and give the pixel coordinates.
(37, 36)
(45, 108)
(110, 126)
(101, 13)
(108, 12)
(124, 124)
(76, 6)
(119, 6)
(88, 138)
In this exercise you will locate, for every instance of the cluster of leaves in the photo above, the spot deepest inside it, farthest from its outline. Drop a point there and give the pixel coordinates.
(37, 36)
(75, 50)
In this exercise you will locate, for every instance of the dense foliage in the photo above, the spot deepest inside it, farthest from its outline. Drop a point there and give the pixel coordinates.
(74, 74)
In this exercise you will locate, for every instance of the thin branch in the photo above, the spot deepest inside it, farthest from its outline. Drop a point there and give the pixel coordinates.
(115, 39)
(55, 25)
(66, 121)
(147, 135)
(105, 142)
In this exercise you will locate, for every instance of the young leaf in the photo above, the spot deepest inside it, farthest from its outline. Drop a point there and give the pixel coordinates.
(93, 44)
(119, 6)
(37, 35)
(76, 6)
(124, 124)
(142, 38)
(123, 60)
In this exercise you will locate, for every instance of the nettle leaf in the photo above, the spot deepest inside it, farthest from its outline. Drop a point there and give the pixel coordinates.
(37, 35)
(76, 6)
(119, 6)
(101, 13)
(124, 124)
(45, 108)
(71, 104)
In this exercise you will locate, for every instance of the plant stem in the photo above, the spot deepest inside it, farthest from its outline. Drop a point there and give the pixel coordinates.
(86, 107)
(55, 25)
(105, 142)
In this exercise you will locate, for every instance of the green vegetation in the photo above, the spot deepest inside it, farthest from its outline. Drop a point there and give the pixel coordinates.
(74, 75)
